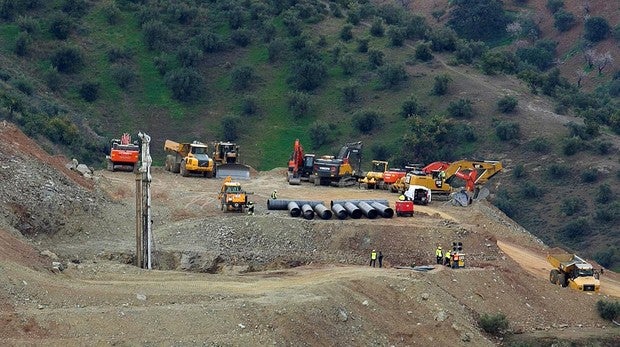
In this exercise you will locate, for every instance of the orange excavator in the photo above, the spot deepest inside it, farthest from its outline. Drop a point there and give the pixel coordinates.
(300, 165)
(123, 154)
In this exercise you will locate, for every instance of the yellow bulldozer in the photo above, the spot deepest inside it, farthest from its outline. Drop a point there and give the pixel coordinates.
(232, 197)
(188, 158)
(226, 157)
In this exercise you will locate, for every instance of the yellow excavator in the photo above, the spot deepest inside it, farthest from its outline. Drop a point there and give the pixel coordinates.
(440, 177)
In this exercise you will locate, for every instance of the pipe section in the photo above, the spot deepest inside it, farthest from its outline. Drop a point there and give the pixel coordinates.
(294, 209)
(307, 211)
(367, 210)
(322, 211)
(282, 204)
(384, 211)
(355, 202)
(340, 212)
(353, 210)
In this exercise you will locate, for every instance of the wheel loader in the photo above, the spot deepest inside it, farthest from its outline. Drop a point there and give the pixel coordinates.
(572, 271)
(188, 158)
(226, 157)
(232, 197)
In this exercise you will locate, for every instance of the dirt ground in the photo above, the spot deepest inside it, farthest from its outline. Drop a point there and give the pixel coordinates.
(267, 279)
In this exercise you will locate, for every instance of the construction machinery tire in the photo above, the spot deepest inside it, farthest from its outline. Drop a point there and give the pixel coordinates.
(553, 276)
(209, 174)
(562, 280)
(317, 181)
(183, 170)
(110, 165)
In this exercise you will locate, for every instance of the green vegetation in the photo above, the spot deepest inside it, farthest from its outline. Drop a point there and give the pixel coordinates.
(609, 310)
(494, 324)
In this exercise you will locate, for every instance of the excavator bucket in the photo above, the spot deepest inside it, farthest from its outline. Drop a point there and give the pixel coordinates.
(236, 171)
(294, 180)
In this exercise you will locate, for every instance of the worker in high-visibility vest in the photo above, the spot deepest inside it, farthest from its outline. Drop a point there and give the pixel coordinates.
(439, 255)
(373, 258)
(446, 258)
(455, 260)
(401, 197)
(274, 195)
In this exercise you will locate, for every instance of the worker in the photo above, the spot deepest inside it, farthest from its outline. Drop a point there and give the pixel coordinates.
(446, 258)
(251, 208)
(442, 175)
(373, 258)
(455, 260)
(401, 197)
(380, 259)
(439, 255)
(274, 194)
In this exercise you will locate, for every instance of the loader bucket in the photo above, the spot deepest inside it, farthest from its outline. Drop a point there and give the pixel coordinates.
(236, 171)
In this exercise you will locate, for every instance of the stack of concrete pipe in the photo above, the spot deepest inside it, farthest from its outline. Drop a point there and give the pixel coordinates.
(340, 208)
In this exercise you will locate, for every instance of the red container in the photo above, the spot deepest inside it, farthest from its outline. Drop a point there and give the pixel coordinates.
(404, 208)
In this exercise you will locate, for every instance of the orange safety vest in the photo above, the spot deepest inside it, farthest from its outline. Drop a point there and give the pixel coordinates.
(456, 256)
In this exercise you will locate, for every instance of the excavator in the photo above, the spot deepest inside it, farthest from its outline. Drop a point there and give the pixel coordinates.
(123, 154)
(300, 165)
(226, 156)
(440, 177)
(343, 170)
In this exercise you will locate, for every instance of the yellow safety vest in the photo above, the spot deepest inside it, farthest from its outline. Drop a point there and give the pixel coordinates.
(438, 252)
(448, 254)
(373, 255)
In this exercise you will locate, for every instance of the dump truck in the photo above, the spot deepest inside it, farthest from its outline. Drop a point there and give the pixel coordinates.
(188, 158)
(226, 158)
(570, 270)
(232, 197)
(124, 154)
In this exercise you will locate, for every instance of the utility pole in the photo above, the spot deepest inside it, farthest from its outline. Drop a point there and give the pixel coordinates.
(144, 233)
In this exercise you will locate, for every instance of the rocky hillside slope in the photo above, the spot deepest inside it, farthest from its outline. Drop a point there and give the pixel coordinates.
(231, 279)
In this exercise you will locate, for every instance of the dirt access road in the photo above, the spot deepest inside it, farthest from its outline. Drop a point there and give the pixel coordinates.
(275, 279)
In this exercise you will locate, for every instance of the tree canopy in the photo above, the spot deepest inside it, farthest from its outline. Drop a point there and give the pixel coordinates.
(478, 19)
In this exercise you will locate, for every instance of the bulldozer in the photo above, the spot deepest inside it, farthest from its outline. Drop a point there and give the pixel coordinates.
(232, 197)
(124, 154)
(440, 178)
(343, 170)
(572, 271)
(300, 165)
(188, 158)
(226, 157)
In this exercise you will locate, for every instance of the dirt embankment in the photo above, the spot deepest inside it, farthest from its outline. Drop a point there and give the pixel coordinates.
(272, 279)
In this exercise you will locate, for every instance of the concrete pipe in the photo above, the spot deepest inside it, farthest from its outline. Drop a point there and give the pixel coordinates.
(384, 211)
(353, 210)
(294, 209)
(307, 211)
(367, 210)
(340, 212)
(322, 211)
(282, 204)
(355, 202)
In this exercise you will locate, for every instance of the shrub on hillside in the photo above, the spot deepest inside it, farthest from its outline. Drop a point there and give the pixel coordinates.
(319, 134)
(155, 34)
(571, 205)
(230, 127)
(390, 76)
(241, 77)
(67, 59)
(75, 8)
(210, 42)
(366, 121)
(530, 190)
(346, 33)
(89, 91)
(275, 50)
(353, 16)
(494, 324)
(362, 44)
(375, 58)
(519, 172)
(112, 13)
(440, 87)
(410, 108)
(116, 54)
(61, 130)
(507, 104)
(540, 145)
(589, 176)
(298, 104)
(189, 56)
(572, 146)
(505, 203)
(609, 310)
(574, 230)
(603, 147)
(241, 37)
(123, 75)
(348, 64)
(52, 79)
(556, 171)
(249, 105)
(540, 55)
(607, 213)
(22, 43)
(554, 5)
(563, 20)
(604, 194)
(28, 24)
(351, 93)
(596, 29)
(396, 35)
(423, 52)
(186, 84)
(23, 85)
(607, 257)
(493, 62)
(162, 63)
(443, 39)
(308, 74)
(60, 26)
(506, 131)
(461, 108)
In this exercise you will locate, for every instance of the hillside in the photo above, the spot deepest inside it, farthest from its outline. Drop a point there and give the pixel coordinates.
(231, 279)
(193, 70)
